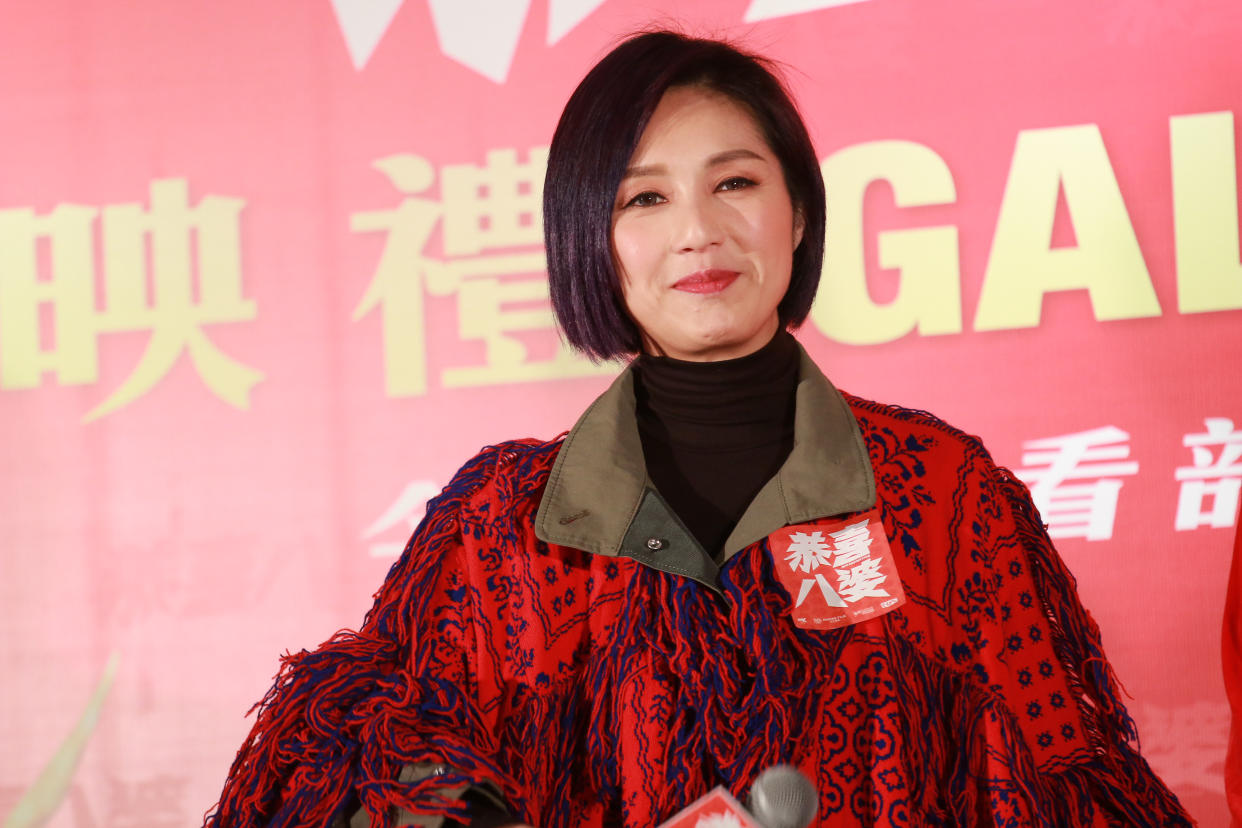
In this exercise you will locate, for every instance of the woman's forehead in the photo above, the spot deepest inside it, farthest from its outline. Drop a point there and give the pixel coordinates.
(698, 125)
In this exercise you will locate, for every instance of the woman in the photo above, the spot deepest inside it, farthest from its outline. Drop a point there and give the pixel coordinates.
(727, 564)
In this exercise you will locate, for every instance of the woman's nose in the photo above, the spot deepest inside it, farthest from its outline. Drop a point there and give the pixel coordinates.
(698, 225)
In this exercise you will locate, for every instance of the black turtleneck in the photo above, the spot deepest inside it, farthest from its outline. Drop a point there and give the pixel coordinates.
(714, 432)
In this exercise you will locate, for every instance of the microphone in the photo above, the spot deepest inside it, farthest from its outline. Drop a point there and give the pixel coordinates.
(780, 798)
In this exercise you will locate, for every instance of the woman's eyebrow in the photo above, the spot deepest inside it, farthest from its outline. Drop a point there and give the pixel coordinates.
(733, 155)
(650, 169)
(715, 160)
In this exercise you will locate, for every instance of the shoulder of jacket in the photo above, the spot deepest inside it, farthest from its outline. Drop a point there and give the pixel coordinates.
(901, 422)
(506, 465)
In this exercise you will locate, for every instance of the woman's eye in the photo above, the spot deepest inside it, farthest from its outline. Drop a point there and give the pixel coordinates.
(645, 199)
(737, 182)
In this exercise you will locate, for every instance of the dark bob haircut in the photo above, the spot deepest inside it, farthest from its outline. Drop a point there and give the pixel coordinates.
(592, 146)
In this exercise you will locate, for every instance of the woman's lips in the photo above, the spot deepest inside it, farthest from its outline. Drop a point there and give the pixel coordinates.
(706, 281)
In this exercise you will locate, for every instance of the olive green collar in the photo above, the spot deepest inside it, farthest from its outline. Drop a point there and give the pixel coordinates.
(600, 500)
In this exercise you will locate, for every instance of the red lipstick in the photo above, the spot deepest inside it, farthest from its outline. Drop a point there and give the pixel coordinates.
(706, 281)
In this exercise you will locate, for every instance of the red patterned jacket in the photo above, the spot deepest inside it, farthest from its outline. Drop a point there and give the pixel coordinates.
(531, 639)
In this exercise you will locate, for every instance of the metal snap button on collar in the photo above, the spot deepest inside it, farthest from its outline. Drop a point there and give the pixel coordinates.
(655, 544)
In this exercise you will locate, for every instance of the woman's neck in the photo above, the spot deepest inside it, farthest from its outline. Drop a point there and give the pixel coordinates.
(714, 432)
(722, 405)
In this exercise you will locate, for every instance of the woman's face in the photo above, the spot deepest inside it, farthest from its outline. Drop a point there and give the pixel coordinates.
(703, 230)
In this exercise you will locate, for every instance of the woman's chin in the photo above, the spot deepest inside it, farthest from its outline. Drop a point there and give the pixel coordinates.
(716, 345)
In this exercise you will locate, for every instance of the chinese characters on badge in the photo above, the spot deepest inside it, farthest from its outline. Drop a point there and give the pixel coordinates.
(840, 571)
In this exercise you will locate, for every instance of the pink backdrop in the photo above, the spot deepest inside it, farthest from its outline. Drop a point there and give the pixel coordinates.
(269, 272)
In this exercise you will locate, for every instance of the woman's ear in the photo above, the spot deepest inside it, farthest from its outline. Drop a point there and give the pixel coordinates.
(799, 224)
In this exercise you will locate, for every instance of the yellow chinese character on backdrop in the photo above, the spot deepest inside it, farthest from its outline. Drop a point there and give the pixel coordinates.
(178, 237)
(492, 261)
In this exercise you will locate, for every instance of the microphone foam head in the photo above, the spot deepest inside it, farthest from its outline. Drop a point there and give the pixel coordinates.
(783, 798)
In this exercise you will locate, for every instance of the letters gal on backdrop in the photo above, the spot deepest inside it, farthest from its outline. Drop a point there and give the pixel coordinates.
(269, 272)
